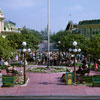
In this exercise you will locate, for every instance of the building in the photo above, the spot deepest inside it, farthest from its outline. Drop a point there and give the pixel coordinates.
(71, 27)
(1, 21)
(10, 26)
(44, 47)
(89, 27)
(45, 33)
(7, 26)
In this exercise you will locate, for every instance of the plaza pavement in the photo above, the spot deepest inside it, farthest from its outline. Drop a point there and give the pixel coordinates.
(49, 84)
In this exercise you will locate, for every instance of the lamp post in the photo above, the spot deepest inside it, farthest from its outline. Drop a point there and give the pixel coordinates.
(59, 42)
(24, 50)
(75, 51)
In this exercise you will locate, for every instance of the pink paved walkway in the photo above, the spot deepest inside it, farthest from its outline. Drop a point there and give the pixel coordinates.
(48, 84)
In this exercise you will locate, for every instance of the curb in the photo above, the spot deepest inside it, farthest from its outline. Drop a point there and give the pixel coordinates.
(25, 83)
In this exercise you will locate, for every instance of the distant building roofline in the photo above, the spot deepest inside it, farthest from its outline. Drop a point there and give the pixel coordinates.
(9, 21)
(87, 22)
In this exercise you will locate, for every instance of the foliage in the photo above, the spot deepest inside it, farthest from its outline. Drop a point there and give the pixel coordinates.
(59, 69)
(17, 39)
(56, 37)
(89, 46)
(2, 67)
(31, 40)
(36, 34)
(45, 70)
(67, 39)
(5, 48)
(87, 79)
(19, 80)
(38, 69)
(16, 64)
(94, 46)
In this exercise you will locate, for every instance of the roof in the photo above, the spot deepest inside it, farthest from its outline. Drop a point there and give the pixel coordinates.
(71, 26)
(10, 26)
(10, 22)
(89, 22)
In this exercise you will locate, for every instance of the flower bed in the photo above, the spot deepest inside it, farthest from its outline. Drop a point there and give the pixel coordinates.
(46, 70)
(20, 80)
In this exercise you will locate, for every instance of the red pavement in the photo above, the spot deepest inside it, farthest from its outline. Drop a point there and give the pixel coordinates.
(49, 84)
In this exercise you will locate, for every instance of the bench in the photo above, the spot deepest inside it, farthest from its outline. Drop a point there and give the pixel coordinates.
(8, 80)
(95, 80)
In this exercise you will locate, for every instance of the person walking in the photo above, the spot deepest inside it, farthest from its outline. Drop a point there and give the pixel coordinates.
(0, 79)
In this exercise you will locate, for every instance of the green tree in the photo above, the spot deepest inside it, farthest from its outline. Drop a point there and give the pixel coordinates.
(32, 41)
(5, 48)
(67, 39)
(36, 34)
(17, 39)
(94, 46)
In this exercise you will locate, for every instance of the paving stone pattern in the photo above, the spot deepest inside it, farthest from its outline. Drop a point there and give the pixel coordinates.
(49, 84)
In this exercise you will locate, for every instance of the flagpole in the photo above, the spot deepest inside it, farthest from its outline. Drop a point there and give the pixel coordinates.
(48, 33)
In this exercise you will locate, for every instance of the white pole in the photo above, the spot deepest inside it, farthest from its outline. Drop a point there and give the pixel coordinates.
(48, 33)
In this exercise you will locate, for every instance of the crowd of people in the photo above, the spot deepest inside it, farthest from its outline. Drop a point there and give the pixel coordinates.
(56, 58)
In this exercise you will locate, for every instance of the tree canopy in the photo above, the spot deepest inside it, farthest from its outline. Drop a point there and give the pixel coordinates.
(5, 48)
(68, 38)
(17, 39)
(36, 34)
(94, 46)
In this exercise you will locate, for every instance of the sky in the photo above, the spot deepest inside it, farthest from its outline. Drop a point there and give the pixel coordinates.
(33, 13)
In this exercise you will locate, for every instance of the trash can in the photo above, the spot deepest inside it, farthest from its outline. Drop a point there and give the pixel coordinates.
(69, 78)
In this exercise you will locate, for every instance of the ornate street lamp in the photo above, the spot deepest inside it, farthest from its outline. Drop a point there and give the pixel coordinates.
(24, 50)
(24, 44)
(70, 49)
(29, 50)
(59, 42)
(79, 50)
(75, 51)
(74, 43)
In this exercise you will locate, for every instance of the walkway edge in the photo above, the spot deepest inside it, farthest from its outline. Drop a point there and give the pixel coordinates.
(25, 83)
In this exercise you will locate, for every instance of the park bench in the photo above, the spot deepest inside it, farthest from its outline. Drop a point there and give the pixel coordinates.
(95, 80)
(8, 80)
